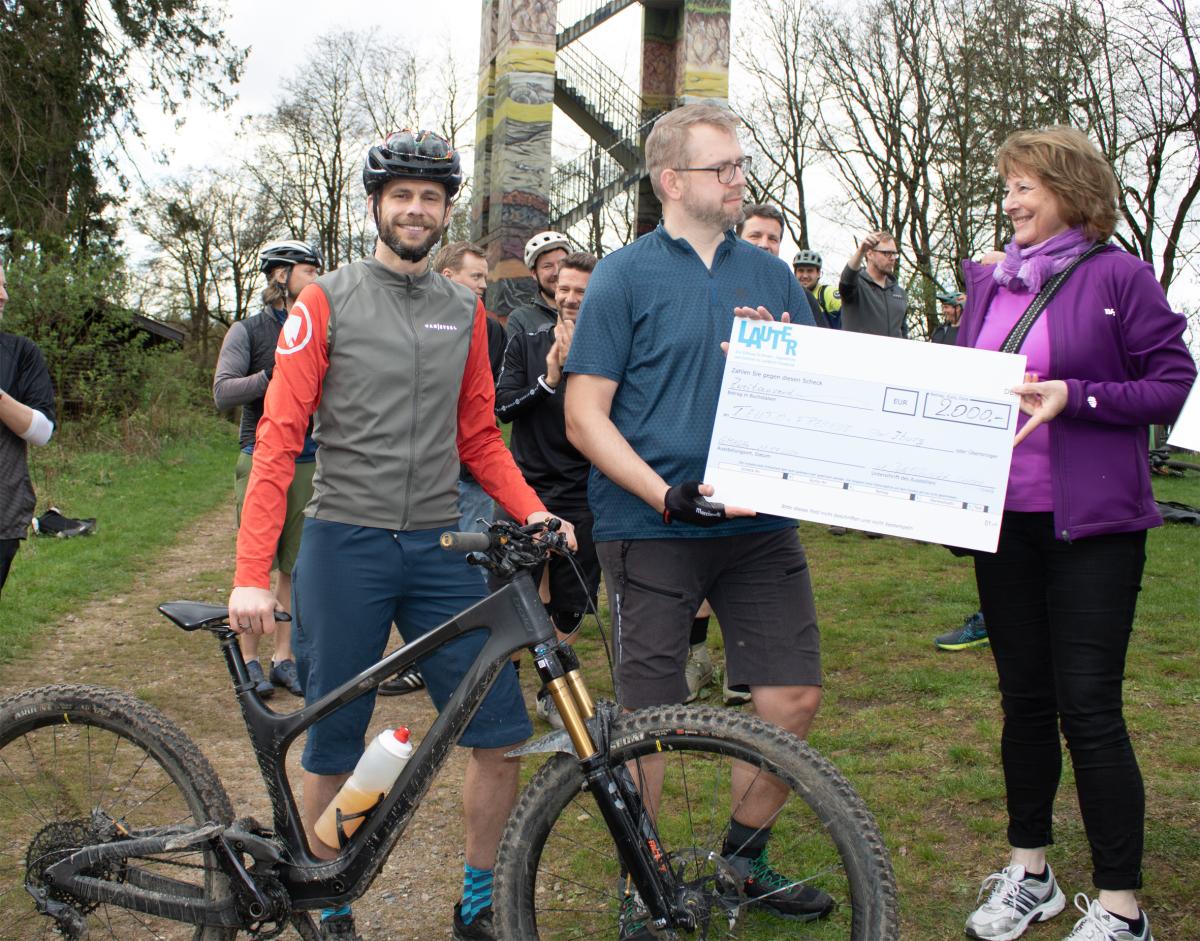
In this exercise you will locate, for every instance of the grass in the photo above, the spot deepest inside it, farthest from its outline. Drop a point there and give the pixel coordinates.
(141, 497)
(917, 731)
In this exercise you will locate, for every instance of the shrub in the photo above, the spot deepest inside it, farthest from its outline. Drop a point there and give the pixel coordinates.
(103, 369)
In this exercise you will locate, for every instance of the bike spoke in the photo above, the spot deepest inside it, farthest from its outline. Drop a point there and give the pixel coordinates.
(116, 801)
(80, 763)
(710, 773)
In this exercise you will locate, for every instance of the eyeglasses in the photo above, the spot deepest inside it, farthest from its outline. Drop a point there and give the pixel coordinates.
(726, 172)
(409, 143)
(891, 252)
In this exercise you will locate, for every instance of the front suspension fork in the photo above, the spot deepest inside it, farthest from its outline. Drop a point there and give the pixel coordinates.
(613, 789)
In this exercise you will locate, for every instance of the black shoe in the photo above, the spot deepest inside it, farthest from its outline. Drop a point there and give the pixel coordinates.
(262, 685)
(407, 682)
(782, 896)
(284, 674)
(339, 928)
(481, 927)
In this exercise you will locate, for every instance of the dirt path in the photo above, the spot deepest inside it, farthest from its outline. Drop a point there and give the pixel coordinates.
(125, 643)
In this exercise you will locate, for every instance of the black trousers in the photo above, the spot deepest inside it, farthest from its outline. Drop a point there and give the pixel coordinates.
(8, 549)
(1059, 617)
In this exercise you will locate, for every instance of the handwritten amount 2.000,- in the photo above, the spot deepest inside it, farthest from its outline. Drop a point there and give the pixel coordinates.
(967, 411)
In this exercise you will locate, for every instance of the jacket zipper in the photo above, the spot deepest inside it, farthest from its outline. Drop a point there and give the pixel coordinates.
(1058, 470)
(415, 413)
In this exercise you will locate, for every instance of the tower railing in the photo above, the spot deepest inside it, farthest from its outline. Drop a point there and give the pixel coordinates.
(576, 17)
(605, 94)
(593, 178)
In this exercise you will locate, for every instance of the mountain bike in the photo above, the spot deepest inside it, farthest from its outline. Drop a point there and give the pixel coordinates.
(1166, 463)
(114, 825)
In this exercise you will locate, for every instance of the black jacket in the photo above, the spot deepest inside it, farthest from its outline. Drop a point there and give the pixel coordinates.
(24, 376)
(551, 464)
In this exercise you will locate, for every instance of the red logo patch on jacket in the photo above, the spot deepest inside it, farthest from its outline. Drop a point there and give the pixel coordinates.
(297, 330)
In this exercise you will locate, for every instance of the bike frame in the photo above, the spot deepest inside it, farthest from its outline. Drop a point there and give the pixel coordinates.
(514, 619)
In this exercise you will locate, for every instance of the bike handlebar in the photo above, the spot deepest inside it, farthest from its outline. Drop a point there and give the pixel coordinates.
(505, 549)
(466, 542)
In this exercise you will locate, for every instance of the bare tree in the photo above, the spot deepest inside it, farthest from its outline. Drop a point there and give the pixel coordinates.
(355, 88)
(208, 231)
(180, 217)
(879, 125)
(780, 117)
(1141, 102)
(246, 221)
(310, 158)
(907, 102)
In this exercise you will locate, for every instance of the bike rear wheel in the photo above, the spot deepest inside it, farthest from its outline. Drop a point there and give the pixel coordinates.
(557, 874)
(74, 760)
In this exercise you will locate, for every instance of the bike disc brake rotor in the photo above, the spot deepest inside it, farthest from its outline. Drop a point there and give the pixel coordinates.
(712, 889)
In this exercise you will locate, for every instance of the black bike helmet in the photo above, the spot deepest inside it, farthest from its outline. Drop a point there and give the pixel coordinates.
(414, 155)
(289, 252)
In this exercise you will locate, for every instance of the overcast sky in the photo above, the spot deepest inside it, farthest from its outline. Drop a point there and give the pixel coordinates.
(277, 33)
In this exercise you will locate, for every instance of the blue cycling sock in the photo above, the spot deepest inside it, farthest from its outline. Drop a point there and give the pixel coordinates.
(477, 892)
(332, 912)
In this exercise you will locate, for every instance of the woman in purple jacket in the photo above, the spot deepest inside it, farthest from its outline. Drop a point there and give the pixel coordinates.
(1105, 359)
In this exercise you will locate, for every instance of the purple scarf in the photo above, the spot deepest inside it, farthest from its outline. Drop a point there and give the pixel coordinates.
(1026, 269)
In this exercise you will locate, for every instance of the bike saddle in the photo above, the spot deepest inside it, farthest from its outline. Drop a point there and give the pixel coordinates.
(194, 615)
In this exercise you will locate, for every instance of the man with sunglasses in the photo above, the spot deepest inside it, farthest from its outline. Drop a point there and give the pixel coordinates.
(644, 376)
(872, 300)
(392, 360)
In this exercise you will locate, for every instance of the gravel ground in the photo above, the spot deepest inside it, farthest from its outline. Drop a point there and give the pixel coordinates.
(125, 643)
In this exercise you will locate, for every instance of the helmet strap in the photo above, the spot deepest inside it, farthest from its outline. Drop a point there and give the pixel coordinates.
(375, 213)
(289, 297)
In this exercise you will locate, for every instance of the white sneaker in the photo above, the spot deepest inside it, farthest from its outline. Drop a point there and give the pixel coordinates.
(699, 670)
(1016, 902)
(1098, 925)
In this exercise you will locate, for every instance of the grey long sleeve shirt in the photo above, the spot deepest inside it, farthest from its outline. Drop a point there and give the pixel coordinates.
(231, 384)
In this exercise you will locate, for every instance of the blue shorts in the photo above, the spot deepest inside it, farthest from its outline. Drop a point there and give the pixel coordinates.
(350, 584)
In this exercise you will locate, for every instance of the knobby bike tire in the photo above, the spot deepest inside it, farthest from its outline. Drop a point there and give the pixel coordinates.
(1182, 466)
(68, 751)
(557, 877)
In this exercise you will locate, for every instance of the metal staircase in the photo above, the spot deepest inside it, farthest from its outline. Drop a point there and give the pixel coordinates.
(585, 184)
(584, 15)
(604, 106)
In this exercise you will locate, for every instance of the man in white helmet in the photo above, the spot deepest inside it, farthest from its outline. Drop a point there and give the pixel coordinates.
(807, 266)
(243, 372)
(543, 252)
